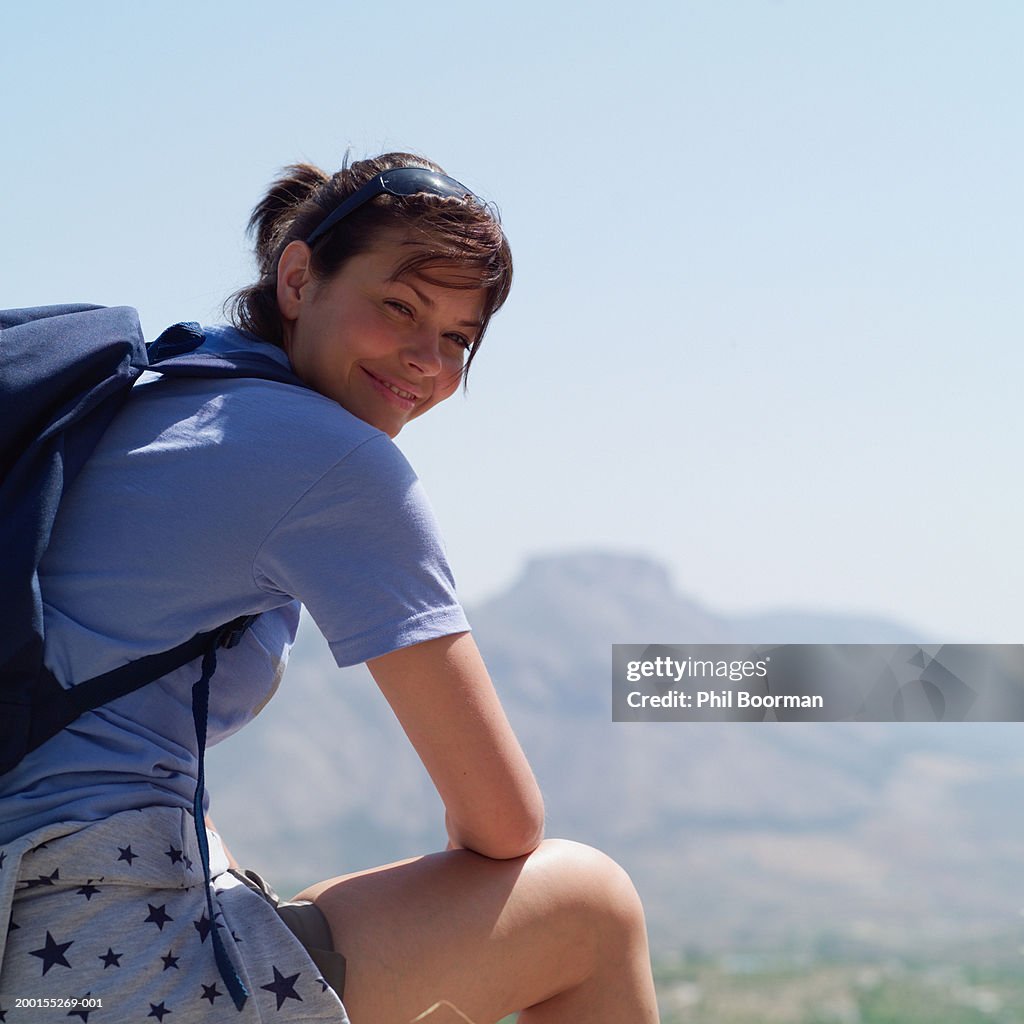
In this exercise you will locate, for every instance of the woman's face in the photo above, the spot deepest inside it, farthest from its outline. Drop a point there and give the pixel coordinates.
(386, 350)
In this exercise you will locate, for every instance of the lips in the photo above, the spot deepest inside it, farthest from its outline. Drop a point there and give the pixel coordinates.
(398, 391)
(405, 396)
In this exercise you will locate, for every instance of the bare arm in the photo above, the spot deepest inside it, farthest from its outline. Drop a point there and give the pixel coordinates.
(444, 698)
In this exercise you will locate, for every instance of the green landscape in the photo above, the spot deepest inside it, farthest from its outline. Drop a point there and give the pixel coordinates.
(968, 986)
(980, 983)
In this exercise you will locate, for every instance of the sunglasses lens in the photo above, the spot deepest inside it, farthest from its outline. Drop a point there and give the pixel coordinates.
(399, 181)
(407, 181)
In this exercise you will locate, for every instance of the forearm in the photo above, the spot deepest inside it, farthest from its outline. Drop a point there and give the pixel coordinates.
(443, 696)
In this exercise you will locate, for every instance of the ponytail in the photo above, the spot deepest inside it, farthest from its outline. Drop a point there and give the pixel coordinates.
(274, 213)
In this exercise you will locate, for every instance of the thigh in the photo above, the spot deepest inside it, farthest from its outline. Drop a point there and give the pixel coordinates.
(488, 936)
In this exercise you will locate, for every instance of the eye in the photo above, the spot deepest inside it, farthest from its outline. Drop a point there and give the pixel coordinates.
(461, 340)
(401, 307)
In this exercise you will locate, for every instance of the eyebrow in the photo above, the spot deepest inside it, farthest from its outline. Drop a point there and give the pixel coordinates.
(429, 302)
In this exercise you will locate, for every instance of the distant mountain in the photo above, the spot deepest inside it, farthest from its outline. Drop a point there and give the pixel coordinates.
(733, 832)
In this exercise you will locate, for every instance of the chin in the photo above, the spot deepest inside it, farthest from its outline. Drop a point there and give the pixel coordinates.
(392, 429)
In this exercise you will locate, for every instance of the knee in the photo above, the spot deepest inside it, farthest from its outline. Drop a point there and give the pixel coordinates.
(596, 889)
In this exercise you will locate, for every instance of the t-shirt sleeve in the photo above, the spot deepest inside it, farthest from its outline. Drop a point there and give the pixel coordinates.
(362, 551)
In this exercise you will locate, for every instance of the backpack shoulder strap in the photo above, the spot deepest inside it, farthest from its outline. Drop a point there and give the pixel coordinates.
(175, 354)
(55, 708)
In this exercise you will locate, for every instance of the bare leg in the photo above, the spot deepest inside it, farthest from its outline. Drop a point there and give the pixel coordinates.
(558, 934)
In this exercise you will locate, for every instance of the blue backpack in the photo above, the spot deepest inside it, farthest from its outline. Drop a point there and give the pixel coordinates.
(65, 371)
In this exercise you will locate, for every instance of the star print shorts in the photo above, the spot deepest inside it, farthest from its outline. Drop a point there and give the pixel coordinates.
(108, 922)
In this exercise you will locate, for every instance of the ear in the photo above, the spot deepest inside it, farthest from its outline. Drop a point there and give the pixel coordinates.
(293, 277)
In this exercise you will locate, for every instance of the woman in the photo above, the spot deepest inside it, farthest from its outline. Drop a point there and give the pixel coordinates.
(209, 499)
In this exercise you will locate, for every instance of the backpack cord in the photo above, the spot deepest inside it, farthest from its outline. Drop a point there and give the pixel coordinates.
(200, 710)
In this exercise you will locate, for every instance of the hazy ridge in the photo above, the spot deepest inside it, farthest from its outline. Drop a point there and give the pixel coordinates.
(754, 832)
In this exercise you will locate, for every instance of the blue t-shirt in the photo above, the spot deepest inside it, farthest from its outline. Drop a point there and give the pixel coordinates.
(205, 500)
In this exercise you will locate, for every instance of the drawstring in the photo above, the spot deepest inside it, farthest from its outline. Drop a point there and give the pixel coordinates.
(200, 710)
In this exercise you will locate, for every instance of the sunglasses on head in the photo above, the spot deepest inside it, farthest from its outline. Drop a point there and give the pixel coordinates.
(399, 181)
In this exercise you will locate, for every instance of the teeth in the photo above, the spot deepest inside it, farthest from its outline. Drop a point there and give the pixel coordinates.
(400, 392)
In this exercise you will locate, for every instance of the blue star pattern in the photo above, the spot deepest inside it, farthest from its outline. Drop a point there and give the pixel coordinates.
(211, 992)
(158, 915)
(129, 880)
(202, 926)
(50, 879)
(83, 1013)
(283, 988)
(110, 958)
(52, 953)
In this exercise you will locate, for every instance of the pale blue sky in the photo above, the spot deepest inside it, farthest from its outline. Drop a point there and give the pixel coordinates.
(768, 306)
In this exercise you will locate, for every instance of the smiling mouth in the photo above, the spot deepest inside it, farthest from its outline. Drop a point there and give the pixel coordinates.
(406, 396)
(398, 391)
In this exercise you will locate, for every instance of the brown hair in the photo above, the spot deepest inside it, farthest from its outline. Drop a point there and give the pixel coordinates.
(445, 231)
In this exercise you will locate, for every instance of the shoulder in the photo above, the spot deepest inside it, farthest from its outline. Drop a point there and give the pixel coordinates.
(300, 419)
(247, 417)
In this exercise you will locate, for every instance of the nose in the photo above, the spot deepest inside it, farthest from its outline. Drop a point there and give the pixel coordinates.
(423, 353)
